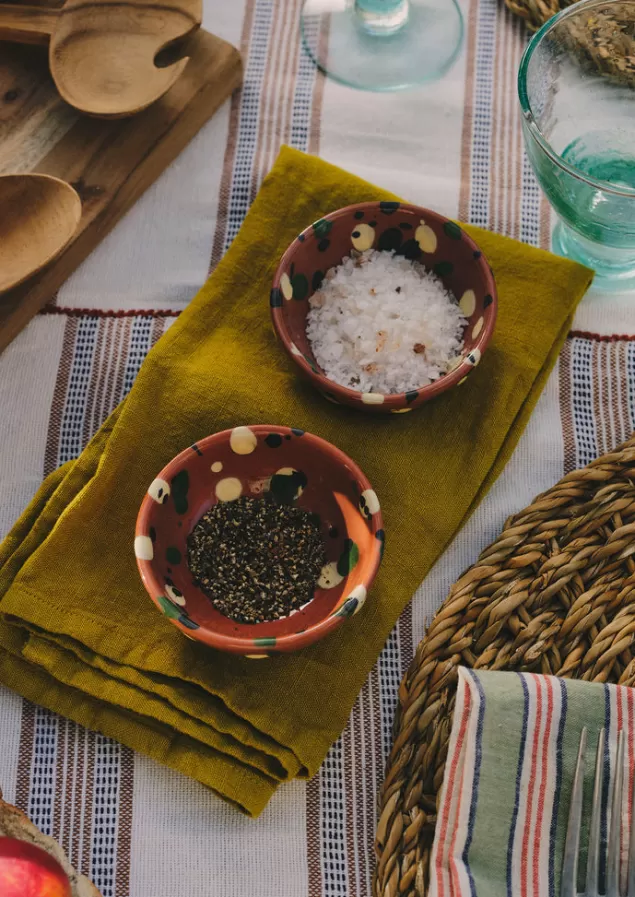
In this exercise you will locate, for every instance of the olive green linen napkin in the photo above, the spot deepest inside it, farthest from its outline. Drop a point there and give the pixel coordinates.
(79, 635)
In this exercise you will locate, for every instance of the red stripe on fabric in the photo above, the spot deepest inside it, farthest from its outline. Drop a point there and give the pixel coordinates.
(524, 870)
(455, 885)
(109, 312)
(544, 777)
(601, 337)
(450, 790)
(631, 751)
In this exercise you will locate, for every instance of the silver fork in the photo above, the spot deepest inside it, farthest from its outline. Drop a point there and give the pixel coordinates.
(568, 887)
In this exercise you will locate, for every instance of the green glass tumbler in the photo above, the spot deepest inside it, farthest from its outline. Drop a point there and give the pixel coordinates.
(576, 86)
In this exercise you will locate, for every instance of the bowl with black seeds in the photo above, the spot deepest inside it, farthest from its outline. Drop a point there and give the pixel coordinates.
(259, 540)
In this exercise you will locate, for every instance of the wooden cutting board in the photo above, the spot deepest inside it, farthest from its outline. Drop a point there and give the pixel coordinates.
(109, 162)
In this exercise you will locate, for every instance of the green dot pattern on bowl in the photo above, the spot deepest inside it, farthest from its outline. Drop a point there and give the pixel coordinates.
(418, 234)
(294, 467)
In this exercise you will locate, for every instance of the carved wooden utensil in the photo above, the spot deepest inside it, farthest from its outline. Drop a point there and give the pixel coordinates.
(39, 215)
(103, 55)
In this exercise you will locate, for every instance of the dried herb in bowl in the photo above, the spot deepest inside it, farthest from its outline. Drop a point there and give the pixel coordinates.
(255, 559)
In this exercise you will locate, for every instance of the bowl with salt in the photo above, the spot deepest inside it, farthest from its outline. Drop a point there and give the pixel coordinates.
(259, 540)
(384, 305)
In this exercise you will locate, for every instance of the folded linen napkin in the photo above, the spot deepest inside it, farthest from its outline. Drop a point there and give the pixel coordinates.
(78, 634)
(504, 803)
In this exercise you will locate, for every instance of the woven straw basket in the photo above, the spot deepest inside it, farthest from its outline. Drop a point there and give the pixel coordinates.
(555, 594)
(595, 42)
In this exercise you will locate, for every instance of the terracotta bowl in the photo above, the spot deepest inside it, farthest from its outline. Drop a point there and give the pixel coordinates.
(250, 461)
(416, 233)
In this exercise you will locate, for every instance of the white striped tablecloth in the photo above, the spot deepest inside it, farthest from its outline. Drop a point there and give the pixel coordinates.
(140, 830)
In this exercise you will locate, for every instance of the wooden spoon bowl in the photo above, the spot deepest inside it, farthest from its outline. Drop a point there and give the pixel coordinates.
(38, 216)
(109, 59)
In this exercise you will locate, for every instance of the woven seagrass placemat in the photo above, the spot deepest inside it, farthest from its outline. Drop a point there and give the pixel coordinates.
(553, 594)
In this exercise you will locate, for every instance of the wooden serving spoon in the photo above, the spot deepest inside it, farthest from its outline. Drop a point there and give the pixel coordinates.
(103, 54)
(38, 216)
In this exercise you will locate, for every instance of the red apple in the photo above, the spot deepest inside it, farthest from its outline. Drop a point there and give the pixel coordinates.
(29, 871)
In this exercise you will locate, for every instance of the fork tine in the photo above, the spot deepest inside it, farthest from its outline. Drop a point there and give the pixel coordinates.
(631, 849)
(592, 868)
(572, 842)
(615, 831)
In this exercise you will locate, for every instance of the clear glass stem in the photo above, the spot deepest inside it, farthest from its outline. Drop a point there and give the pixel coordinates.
(382, 16)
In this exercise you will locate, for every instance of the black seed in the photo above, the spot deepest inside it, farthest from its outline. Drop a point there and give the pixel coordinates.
(255, 559)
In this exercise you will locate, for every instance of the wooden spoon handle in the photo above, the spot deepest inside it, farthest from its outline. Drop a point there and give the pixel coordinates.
(27, 24)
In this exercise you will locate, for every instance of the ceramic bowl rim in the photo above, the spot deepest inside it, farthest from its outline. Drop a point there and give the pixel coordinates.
(235, 643)
(352, 396)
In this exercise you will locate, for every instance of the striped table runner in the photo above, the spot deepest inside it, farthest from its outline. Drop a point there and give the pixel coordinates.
(505, 798)
(138, 829)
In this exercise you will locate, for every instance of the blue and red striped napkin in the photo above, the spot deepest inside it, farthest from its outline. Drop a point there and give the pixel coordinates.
(504, 803)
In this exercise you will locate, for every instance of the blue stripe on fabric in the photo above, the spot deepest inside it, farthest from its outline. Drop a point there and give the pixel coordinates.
(605, 784)
(556, 795)
(519, 774)
(478, 757)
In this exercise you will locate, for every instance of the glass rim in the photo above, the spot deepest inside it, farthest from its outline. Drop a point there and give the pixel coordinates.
(525, 105)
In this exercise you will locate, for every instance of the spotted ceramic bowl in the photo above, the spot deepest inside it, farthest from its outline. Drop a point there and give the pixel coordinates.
(251, 461)
(416, 233)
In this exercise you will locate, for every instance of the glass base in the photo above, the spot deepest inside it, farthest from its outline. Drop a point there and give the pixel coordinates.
(351, 47)
(614, 268)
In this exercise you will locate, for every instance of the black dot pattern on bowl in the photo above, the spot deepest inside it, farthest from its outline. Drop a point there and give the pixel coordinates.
(452, 230)
(273, 440)
(390, 240)
(487, 301)
(388, 207)
(411, 396)
(443, 269)
(358, 214)
(173, 555)
(300, 287)
(275, 298)
(316, 280)
(405, 225)
(323, 245)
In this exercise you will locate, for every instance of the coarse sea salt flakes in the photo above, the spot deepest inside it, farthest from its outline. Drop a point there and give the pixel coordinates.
(381, 323)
